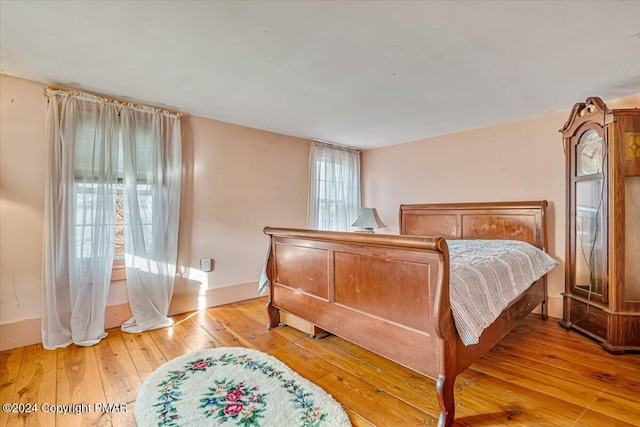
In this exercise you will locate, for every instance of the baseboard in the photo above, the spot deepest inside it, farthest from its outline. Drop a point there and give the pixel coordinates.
(28, 331)
(183, 303)
(20, 333)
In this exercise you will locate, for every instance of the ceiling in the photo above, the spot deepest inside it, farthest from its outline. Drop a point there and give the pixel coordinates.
(357, 73)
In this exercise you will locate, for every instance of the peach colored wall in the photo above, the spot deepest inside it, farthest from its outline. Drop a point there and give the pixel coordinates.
(22, 178)
(521, 160)
(243, 180)
(236, 181)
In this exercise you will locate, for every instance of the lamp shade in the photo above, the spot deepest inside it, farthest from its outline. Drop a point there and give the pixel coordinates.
(368, 219)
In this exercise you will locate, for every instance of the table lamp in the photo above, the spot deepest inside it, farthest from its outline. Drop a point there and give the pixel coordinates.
(368, 219)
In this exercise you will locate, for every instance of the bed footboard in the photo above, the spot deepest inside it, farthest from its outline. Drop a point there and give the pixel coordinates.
(382, 292)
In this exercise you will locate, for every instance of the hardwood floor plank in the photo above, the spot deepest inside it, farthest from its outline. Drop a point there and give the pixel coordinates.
(515, 403)
(216, 328)
(538, 381)
(290, 333)
(194, 335)
(250, 330)
(79, 384)
(36, 384)
(10, 363)
(539, 375)
(372, 404)
(617, 408)
(144, 353)
(421, 398)
(591, 379)
(564, 357)
(392, 368)
(505, 357)
(120, 378)
(589, 352)
(333, 379)
(306, 364)
(357, 420)
(420, 395)
(592, 418)
(169, 342)
(601, 370)
(256, 311)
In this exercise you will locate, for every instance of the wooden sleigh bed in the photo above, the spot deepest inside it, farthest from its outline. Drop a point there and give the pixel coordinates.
(390, 293)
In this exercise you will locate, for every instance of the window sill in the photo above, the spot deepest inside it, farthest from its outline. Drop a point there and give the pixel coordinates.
(118, 272)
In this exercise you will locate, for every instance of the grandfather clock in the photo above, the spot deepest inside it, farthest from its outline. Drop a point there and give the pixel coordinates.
(602, 287)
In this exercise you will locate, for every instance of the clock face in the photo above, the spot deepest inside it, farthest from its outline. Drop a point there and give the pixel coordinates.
(589, 153)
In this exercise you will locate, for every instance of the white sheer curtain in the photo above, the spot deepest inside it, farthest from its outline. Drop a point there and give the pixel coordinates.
(152, 171)
(86, 164)
(82, 175)
(334, 193)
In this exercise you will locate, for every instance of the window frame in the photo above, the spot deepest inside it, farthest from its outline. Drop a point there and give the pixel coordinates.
(334, 183)
(118, 270)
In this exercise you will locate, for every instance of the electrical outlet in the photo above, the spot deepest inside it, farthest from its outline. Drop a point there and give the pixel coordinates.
(206, 264)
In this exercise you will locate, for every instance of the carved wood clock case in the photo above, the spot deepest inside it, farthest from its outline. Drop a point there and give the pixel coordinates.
(602, 285)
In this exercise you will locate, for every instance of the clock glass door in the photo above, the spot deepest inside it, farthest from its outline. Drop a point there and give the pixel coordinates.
(588, 220)
(588, 232)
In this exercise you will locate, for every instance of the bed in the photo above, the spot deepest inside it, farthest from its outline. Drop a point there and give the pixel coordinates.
(390, 293)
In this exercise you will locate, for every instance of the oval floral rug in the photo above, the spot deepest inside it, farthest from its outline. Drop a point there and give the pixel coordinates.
(233, 386)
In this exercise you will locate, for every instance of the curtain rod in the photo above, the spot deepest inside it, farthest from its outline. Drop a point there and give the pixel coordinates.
(113, 99)
(334, 145)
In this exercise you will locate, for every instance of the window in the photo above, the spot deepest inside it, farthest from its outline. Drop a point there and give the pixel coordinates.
(104, 173)
(331, 201)
(334, 194)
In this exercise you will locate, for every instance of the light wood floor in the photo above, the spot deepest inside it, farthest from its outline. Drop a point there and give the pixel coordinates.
(539, 375)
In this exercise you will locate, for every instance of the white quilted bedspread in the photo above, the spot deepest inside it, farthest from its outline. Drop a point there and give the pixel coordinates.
(486, 275)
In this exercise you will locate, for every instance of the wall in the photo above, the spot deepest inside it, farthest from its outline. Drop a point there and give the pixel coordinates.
(242, 180)
(22, 179)
(236, 181)
(521, 160)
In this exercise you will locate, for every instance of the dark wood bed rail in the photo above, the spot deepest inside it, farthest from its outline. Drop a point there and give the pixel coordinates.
(417, 242)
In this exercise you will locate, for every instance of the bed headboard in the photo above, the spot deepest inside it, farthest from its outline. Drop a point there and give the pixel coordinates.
(523, 221)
